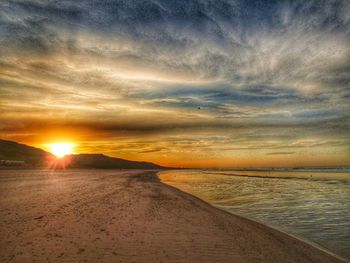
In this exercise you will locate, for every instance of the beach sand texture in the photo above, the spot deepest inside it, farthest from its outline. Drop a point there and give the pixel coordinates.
(128, 216)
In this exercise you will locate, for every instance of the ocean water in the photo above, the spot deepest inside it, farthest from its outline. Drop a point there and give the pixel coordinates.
(312, 204)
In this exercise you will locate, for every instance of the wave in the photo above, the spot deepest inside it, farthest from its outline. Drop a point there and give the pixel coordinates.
(342, 179)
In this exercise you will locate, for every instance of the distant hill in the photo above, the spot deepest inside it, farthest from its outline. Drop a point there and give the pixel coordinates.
(105, 162)
(31, 156)
(35, 157)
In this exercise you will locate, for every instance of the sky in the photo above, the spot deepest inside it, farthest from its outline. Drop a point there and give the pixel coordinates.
(195, 83)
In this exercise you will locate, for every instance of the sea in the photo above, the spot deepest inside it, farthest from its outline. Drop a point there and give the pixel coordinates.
(312, 204)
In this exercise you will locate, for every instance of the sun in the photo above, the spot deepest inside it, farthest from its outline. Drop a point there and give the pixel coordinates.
(61, 149)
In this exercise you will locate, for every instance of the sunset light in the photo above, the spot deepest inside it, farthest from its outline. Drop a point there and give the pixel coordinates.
(62, 149)
(175, 131)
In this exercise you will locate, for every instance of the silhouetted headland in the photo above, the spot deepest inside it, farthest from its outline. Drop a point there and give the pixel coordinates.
(13, 154)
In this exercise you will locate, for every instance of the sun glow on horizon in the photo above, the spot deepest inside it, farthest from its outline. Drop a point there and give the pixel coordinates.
(61, 149)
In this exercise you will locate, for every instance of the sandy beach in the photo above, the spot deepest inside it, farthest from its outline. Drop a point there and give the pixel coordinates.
(128, 216)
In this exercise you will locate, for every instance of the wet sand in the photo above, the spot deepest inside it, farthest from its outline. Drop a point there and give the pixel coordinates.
(128, 216)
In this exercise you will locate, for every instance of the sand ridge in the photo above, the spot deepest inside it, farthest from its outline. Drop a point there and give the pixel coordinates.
(128, 216)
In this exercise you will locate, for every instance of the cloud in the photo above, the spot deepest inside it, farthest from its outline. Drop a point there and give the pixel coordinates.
(280, 153)
(279, 69)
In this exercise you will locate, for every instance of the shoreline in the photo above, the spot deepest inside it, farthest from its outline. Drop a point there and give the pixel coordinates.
(308, 242)
(128, 216)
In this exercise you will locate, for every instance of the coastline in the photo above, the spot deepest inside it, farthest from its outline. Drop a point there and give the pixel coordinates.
(268, 227)
(310, 243)
(128, 216)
